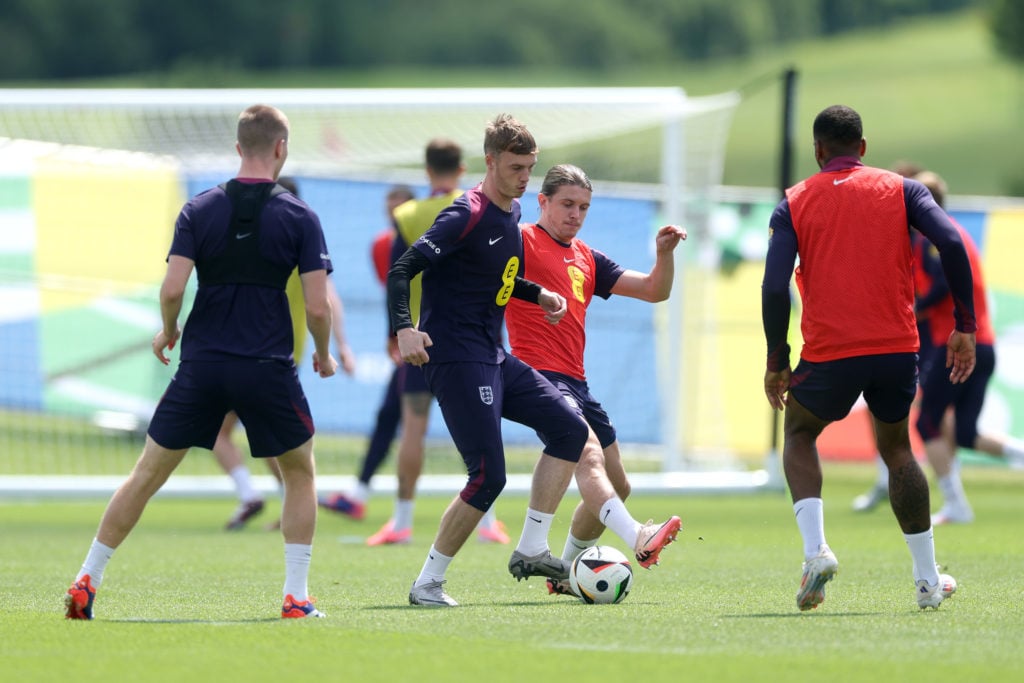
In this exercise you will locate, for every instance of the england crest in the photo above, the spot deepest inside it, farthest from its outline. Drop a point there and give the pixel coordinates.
(486, 395)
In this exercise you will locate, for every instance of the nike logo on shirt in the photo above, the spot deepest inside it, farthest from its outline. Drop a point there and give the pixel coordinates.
(494, 241)
(241, 235)
(837, 181)
(568, 259)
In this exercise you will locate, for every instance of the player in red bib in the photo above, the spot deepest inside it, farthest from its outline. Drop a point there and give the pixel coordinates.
(555, 258)
(943, 432)
(850, 227)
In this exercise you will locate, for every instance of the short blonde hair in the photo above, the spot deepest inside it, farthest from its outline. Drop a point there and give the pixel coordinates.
(259, 129)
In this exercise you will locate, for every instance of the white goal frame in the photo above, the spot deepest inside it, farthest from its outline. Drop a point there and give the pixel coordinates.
(123, 120)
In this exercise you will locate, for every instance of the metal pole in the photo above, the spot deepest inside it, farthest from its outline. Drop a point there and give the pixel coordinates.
(785, 181)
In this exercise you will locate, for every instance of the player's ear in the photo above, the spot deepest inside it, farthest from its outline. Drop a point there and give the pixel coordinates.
(819, 153)
(863, 146)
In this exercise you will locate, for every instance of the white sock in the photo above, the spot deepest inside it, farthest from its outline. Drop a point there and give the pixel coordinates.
(810, 519)
(361, 493)
(575, 546)
(616, 517)
(243, 484)
(403, 514)
(922, 551)
(95, 563)
(953, 495)
(488, 520)
(296, 570)
(534, 540)
(1013, 451)
(434, 567)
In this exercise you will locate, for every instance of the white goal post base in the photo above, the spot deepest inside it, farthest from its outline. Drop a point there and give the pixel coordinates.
(205, 486)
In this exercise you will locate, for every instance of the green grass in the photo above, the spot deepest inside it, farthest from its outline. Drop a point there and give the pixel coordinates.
(184, 600)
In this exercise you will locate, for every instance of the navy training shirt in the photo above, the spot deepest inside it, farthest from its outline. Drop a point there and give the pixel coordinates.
(244, 320)
(475, 251)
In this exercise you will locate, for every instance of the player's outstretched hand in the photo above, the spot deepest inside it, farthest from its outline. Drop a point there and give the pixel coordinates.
(324, 368)
(161, 341)
(961, 355)
(668, 237)
(553, 304)
(412, 345)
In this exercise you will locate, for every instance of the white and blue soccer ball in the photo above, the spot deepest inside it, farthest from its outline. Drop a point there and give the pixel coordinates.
(601, 575)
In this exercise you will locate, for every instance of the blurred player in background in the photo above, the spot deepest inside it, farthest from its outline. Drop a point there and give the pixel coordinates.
(556, 259)
(389, 413)
(229, 456)
(444, 167)
(943, 430)
(243, 238)
(850, 227)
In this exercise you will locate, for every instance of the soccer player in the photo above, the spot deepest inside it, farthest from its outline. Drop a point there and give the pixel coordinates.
(850, 227)
(243, 238)
(555, 258)
(941, 431)
(444, 167)
(229, 455)
(471, 260)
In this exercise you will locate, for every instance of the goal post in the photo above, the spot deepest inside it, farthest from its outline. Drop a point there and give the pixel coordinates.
(655, 154)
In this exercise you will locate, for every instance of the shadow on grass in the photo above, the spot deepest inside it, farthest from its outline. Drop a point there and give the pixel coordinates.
(208, 622)
(803, 615)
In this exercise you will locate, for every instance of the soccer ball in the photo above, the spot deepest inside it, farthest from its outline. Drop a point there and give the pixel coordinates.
(601, 575)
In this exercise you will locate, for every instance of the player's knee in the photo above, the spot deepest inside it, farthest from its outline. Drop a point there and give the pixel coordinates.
(485, 490)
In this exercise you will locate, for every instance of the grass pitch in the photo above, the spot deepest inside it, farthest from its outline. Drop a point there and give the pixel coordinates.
(184, 600)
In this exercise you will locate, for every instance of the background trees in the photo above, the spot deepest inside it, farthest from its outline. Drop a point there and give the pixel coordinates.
(67, 39)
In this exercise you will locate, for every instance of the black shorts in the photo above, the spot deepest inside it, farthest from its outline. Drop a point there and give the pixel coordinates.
(578, 395)
(265, 394)
(474, 397)
(830, 388)
(966, 398)
(411, 379)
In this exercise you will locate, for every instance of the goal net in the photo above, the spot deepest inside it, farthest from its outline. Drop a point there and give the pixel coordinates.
(93, 179)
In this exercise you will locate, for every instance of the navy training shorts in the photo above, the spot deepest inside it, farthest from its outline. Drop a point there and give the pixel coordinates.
(966, 398)
(830, 388)
(577, 394)
(266, 395)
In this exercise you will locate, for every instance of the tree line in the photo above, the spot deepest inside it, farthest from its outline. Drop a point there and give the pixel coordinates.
(68, 39)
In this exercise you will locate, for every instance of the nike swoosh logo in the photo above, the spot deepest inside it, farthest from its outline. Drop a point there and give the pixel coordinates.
(837, 181)
(495, 240)
(568, 259)
(242, 236)
(534, 519)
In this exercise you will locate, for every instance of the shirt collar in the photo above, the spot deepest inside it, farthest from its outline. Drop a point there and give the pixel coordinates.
(841, 164)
